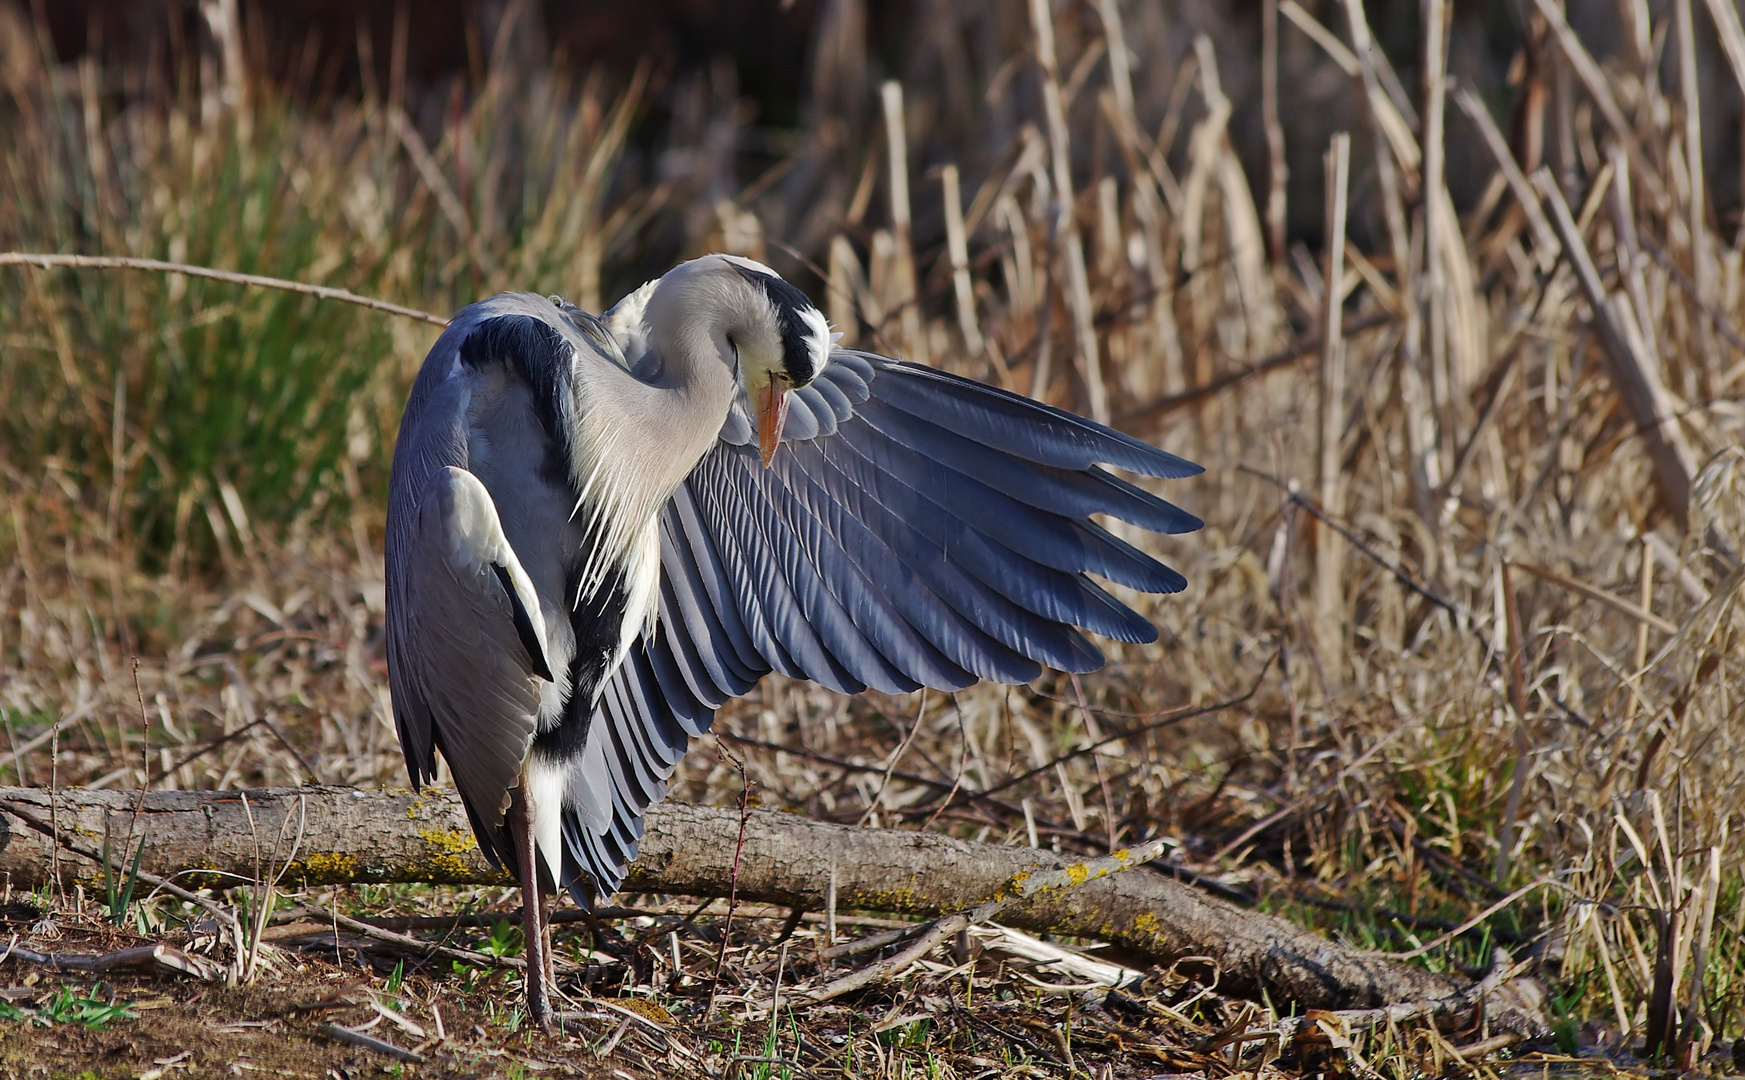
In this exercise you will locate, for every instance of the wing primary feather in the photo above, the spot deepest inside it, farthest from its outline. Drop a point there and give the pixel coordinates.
(1074, 545)
(1063, 491)
(1018, 425)
(1062, 595)
(977, 629)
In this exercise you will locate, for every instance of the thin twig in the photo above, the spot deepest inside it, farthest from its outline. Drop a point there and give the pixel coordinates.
(1716, 318)
(369, 1042)
(412, 945)
(1022, 886)
(1304, 347)
(1128, 733)
(872, 805)
(733, 876)
(119, 262)
(1166, 719)
(1437, 943)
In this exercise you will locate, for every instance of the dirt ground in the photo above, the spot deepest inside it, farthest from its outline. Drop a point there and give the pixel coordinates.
(628, 1013)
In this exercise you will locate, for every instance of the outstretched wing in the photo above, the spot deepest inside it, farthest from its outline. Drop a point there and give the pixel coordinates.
(915, 529)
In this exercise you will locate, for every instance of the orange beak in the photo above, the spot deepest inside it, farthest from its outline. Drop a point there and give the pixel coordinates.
(772, 413)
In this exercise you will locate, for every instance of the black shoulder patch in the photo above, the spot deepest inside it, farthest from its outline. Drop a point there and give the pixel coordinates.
(538, 353)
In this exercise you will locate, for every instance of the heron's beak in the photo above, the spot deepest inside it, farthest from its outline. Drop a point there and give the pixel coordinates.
(772, 413)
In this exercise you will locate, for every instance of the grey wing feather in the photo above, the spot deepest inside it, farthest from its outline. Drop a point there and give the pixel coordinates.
(940, 532)
(639, 732)
(464, 658)
(915, 529)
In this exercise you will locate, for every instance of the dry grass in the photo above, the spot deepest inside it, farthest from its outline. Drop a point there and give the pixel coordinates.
(192, 473)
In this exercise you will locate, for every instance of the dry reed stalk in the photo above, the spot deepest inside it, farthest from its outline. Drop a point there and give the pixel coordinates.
(846, 282)
(1464, 318)
(1204, 150)
(1514, 679)
(1329, 546)
(1436, 15)
(1457, 314)
(431, 174)
(1726, 18)
(1696, 203)
(1633, 369)
(957, 249)
(1277, 172)
(1429, 416)
(1627, 251)
(1545, 245)
(1595, 82)
(1065, 225)
(1147, 380)
(900, 295)
(1145, 167)
(1018, 266)
(1645, 602)
(1393, 193)
(1394, 127)
(1112, 274)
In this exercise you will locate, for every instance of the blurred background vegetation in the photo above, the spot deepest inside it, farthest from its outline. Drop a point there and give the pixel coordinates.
(436, 153)
(1517, 665)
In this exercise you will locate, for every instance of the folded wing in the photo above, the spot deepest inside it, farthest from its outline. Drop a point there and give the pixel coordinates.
(467, 660)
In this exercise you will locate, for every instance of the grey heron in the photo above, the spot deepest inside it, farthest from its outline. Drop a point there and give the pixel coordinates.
(600, 530)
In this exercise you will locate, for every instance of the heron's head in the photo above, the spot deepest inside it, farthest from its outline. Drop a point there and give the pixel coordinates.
(782, 343)
(770, 337)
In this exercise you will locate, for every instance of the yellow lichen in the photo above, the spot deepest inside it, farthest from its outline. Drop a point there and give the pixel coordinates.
(647, 1009)
(1147, 923)
(330, 866)
(452, 841)
(445, 866)
(447, 861)
(1078, 873)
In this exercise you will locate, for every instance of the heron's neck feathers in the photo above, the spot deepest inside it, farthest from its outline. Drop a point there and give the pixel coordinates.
(622, 483)
(638, 434)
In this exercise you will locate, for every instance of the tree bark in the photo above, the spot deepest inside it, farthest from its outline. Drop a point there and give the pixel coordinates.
(219, 838)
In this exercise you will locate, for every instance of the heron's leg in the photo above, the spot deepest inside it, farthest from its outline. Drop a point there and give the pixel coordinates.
(539, 968)
(545, 906)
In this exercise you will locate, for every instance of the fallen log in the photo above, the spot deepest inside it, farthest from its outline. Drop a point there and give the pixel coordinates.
(324, 835)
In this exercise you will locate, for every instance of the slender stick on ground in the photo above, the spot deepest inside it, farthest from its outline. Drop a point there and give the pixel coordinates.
(1022, 886)
(733, 876)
